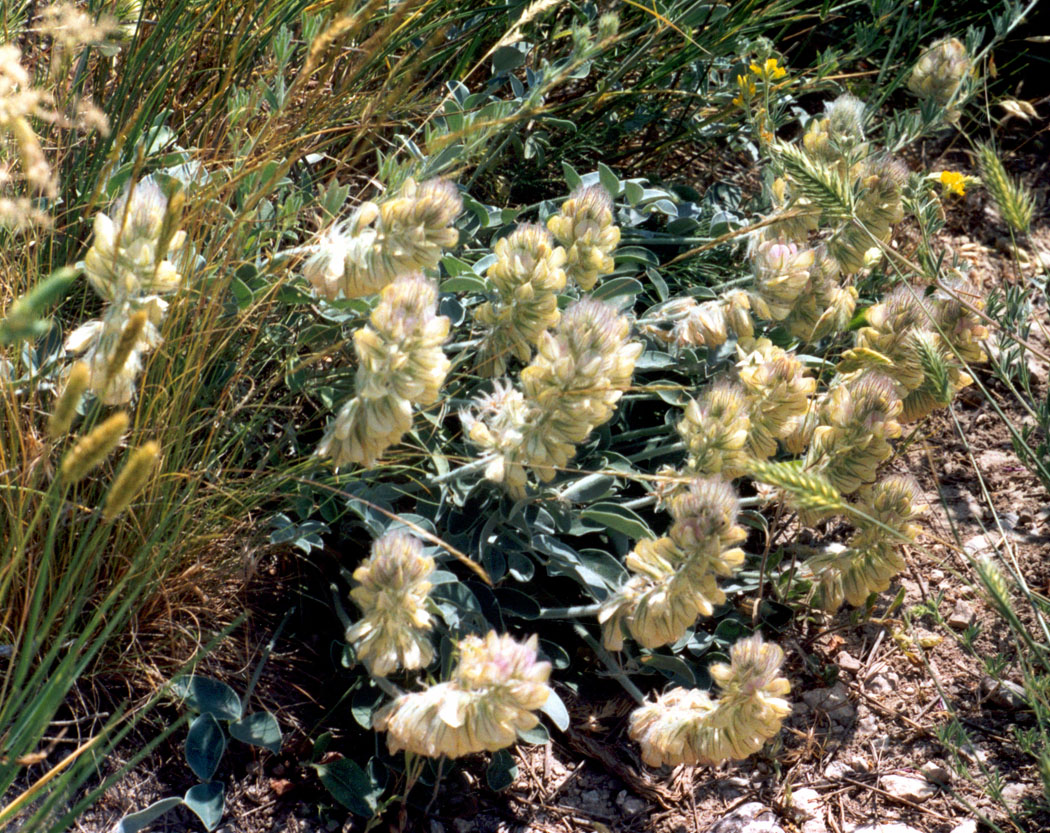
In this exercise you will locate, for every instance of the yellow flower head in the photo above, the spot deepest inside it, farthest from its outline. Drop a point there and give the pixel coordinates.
(769, 71)
(953, 182)
(747, 90)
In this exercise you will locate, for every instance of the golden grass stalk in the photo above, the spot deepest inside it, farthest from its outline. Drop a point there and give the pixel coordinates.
(132, 479)
(66, 407)
(91, 450)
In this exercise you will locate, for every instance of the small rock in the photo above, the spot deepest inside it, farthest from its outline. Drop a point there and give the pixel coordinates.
(436, 826)
(858, 763)
(592, 799)
(463, 825)
(962, 616)
(885, 827)
(847, 662)
(631, 805)
(752, 817)
(936, 773)
(1013, 793)
(808, 801)
(977, 545)
(882, 683)
(836, 770)
(936, 575)
(1002, 693)
(907, 787)
(968, 826)
(733, 787)
(867, 725)
(834, 701)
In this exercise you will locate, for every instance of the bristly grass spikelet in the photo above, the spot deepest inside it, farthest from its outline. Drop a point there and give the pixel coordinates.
(805, 490)
(1014, 201)
(822, 185)
(66, 407)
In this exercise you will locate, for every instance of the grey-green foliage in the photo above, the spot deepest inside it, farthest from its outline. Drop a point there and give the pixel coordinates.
(217, 709)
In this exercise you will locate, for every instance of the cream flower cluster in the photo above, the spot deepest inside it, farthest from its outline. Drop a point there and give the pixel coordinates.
(401, 367)
(399, 236)
(839, 133)
(137, 256)
(778, 390)
(572, 386)
(137, 251)
(494, 692)
(902, 324)
(715, 429)
(584, 227)
(940, 71)
(528, 274)
(392, 592)
(684, 322)
(685, 726)
(878, 208)
(799, 288)
(871, 557)
(676, 576)
(856, 420)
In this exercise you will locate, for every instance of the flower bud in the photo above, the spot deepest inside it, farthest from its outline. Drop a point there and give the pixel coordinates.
(940, 71)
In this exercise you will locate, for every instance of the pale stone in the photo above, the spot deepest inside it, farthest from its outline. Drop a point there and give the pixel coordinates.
(808, 801)
(834, 701)
(847, 662)
(962, 616)
(907, 787)
(752, 817)
(885, 827)
(968, 826)
(936, 773)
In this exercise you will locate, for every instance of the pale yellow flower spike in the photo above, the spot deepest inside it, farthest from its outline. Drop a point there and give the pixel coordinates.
(571, 387)
(403, 234)
(494, 692)
(779, 392)
(871, 557)
(585, 228)
(676, 576)
(393, 590)
(401, 367)
(685, 726)
(528, 274)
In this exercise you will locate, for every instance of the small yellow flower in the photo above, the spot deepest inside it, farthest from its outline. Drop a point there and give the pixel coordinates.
(769, 71)
(747, 89)
(953, 182)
